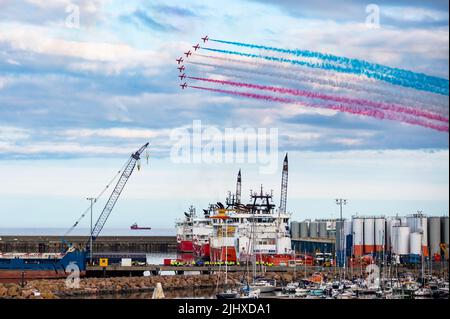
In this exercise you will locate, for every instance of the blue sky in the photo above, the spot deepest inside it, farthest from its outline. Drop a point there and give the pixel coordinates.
(75, 102)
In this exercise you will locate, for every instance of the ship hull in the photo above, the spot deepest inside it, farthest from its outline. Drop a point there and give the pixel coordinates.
(222, 254)
(202, 251)
(185, 246)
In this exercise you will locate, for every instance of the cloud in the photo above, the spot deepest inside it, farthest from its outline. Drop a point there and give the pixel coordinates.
(143, 19)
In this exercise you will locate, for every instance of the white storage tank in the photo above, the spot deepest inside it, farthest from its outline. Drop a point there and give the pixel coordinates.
(415, 243)
(418, 224)
(434, 234)
(369, 236)
(358, 235)
(380, 233)
(401, 243)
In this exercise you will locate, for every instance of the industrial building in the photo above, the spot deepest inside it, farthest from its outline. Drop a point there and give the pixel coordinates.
(405, 239)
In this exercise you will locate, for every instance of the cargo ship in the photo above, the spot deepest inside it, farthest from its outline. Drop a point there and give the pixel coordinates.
(136, 227)
(15, 267)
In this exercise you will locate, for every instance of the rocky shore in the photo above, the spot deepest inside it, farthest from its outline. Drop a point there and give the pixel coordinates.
(52, 289)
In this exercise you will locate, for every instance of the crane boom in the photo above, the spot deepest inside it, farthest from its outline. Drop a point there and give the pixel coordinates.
(284, 184)
(116, 192)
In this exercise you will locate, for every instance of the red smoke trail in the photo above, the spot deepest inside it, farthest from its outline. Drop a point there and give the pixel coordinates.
(348, 109)
(358, 102)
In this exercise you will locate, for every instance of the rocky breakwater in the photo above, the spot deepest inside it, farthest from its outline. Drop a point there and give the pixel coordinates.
(49, 289)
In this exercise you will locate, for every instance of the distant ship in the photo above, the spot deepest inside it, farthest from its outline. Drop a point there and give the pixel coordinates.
(136, 227)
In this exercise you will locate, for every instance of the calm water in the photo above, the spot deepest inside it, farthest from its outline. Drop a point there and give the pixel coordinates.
(85, 232)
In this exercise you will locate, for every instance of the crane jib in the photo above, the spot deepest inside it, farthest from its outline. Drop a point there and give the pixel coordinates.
(116, 192)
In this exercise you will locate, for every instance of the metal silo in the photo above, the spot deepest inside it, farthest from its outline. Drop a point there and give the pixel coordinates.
(294, 230)
(402, 240)
(304, 233)
(390, 236)
(314, 229)
(369, 236)
(358, 235)
(444, 230)
(340, 236)
(418, 224)
(415, 243)
(323, 229)
(434, 235)
(380, 233)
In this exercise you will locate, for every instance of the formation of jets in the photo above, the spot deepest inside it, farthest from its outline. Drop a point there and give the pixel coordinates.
(180, 60)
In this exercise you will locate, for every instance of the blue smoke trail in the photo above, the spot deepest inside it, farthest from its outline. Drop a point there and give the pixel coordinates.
(426, 82)
(412, 83)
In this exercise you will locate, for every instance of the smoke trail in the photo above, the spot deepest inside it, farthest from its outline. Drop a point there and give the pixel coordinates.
(384, 93)
(327, 66)
(360, 66)
(351, 101)
(347, 109)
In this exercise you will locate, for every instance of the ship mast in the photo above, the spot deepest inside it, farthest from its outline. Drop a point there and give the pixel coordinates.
(284, 184)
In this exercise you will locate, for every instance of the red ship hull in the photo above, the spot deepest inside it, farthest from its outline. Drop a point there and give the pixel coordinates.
(185, 246)
(222, 254)
(202, 251)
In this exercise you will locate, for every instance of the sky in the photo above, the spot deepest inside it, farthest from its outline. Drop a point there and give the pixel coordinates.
(75, 102)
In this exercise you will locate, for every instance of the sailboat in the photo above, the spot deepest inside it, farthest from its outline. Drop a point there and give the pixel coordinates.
(228, 293)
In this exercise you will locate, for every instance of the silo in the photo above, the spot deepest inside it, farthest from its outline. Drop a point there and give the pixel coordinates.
(295, 230)
(322, 229)
(314, 229)
(304, 233)
(402, 240)
(434, 235)
(415, 243)
(358, 235)
(347, 227)
(418, 224)
(380, 233)
(390, 236)
(340, 236)
(444, 230)
(369, 237)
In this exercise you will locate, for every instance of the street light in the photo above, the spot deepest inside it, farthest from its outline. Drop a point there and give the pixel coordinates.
(92, 200)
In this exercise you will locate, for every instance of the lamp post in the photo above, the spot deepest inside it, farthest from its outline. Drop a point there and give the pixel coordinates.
(91, 248)
(341, 202)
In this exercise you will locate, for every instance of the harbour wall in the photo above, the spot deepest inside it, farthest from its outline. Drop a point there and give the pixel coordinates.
(104, 244)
